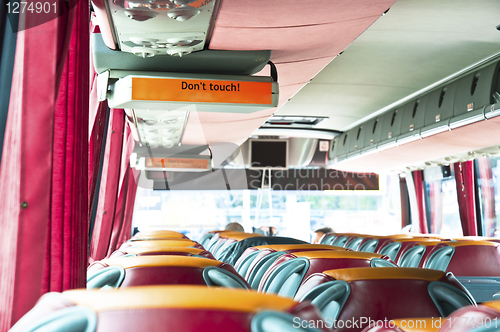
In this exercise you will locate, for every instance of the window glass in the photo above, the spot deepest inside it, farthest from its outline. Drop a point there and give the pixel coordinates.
(289, 213)
(441, 204)
(488, 176)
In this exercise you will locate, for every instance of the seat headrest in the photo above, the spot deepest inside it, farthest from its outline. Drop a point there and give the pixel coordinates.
(182, 297)
(144, 250)
(370, 273)
(493, 305)
(337, 254)
(157, 235)
(238, 236)
(165, 260)
(471, 243)
(178, 242)
(284, 247)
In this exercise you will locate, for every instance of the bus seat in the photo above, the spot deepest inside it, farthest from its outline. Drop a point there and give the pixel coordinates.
(235, 250)
(383, 293)
(205, 239)
(172, 308)
(157, 235)
(177, 251)
(262, 261)
(475, 263)
(162, 243)
(231, 236)
(328, 238)
(461, 258)
(413, 254)
(393, 247)
(368, 245)
(289, 271)
(483, 317)
(288, 248)
(162, 270)
(354, 243)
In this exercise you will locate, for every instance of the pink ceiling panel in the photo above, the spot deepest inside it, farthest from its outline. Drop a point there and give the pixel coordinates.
(231, 131)
(285, 13)
(294, 43)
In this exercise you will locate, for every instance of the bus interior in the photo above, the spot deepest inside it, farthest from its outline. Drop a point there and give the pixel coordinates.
(227, 165)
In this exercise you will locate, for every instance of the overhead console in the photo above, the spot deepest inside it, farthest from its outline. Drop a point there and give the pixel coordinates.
(280, 148)
(156, 27)
(465, 100)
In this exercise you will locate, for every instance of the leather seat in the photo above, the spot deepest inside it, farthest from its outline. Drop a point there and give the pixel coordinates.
(461, 258)
(157, 235)
(383, 293)
(169, 308)
(179, 242)
(148, 251)
(288, 272)
(259, 261)
(162, 270)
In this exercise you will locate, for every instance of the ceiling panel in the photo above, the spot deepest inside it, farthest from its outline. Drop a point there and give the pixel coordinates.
(416, 44)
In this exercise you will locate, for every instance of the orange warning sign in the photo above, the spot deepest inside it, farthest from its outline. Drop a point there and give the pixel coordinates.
(177, 163)
(201, 91)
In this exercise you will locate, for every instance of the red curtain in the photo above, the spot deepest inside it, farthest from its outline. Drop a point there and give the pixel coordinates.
(487, 196)
(46, 139)
(420, 192)
(464, 178)
(117, 190)
(108, 191)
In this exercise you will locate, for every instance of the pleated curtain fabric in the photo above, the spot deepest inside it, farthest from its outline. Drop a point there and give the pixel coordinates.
(464, 179)
(44, 170)
(418, 179)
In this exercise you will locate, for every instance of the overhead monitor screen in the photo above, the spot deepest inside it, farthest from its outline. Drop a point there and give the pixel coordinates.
(268, 154)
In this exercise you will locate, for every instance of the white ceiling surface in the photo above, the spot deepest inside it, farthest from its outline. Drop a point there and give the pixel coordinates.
(416, 44)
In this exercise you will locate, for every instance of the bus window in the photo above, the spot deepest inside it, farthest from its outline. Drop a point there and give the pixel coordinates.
(488, 179)
(441, 204)
(291, 213)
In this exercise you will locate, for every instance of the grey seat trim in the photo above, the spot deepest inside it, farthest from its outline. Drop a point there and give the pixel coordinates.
(261, 268)
(273, 321)
(412, 257)
(391, 250)
(70, 319)
(448, 298)
(379, 262)
(340, 241)
(329, 298)
(280, 281)
(247, 261)
(109, 277)
(216, 277)
(369, 246)
(354, 243)
(440, 259)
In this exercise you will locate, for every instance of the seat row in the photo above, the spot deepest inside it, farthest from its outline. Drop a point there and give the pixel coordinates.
(160, 279)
